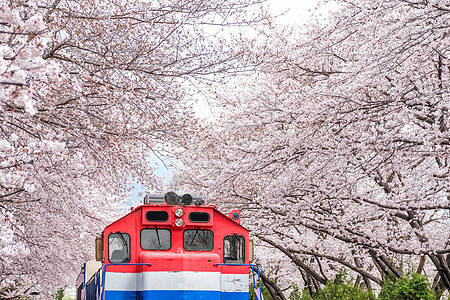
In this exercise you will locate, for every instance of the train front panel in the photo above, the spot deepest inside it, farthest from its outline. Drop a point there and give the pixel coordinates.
(176, 252)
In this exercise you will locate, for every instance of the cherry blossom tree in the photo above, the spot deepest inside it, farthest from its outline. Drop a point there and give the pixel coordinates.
(338, 149)
(88, 89)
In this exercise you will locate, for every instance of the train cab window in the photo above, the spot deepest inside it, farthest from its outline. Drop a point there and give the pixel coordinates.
(157, 216)
(155, 239)
(198, 240)
(119, 247)
(199, 217)
(233, 249)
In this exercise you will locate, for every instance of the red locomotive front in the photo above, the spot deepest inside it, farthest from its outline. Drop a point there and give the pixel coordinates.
(173, 249)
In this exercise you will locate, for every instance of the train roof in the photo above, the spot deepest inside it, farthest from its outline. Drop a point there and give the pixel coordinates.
(193, 203)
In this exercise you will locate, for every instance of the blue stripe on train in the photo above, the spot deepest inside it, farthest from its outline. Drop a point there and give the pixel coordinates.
(175, 295)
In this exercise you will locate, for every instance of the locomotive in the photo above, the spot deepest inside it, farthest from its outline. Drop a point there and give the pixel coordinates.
(171, 247)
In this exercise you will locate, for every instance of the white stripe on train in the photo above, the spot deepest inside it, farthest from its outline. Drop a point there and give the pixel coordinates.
(185, 280)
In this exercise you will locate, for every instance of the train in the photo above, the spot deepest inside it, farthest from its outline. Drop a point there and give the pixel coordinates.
(171, 247)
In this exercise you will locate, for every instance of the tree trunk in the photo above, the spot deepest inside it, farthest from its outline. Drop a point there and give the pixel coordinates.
(272, 287)
(421, 264)
(366, 280)
(442, 267)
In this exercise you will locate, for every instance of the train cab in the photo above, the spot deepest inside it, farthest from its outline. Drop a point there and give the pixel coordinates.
(173, 248)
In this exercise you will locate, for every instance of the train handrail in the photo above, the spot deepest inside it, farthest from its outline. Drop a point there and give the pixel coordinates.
(253, 273)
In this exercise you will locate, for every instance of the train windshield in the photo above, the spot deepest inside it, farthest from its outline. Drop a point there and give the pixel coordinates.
(233, 249)
(155, 239)
(198, 240)
(119, 247)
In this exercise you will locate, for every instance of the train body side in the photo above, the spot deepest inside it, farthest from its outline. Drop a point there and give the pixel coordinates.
(154, 252)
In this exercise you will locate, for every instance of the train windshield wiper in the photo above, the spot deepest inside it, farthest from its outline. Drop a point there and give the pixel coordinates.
(157, 235)
(193, 238)
(123, 241)
(122, 238)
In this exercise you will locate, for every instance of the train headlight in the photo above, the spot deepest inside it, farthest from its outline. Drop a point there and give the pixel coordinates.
(179, 222)
(179, 212)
